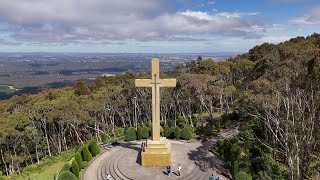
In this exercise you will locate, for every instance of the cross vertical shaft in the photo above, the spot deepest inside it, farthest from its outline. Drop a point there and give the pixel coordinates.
(155, 109)
(155, 83)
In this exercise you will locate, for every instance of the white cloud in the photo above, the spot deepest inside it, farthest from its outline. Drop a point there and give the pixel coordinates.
(310, 17)
(73, 21)
(211, 2)
(274, 39)
(8, 42)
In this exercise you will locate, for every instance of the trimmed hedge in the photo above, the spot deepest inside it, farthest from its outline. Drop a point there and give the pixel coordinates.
(80, 151)
(66, 167)
(75, 168)
(67, 175)
(177, 132)
(145, 132)
(130, 134)
(186, 133)
(94, 147)
(161, 131)
(165, 131)
(78, 158)
(190, 127)
(87, 156)
(171, 132)
(139, 133)
(125, 129)
(84, 164)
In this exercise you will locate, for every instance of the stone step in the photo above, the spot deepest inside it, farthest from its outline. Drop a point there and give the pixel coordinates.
(105, 168)
(111, 165)
(116, 167)
(99, 177)
(102, 172)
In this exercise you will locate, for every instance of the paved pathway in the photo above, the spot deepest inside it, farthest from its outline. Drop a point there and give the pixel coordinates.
(123, 162)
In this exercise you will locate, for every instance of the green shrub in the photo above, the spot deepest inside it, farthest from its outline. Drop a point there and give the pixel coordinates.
(227, 150)
(220, 146)
(94, 147)
(66, 167)
(235, 152)
(259, 164)
(171, 132)
(103, 137)
(125, 129)
(165, 131)
(120, 132)
(112, 140)
(205, 131)
(265, 176)
(243, 176)
(186, 133)
(139, 133)
(86, 154)
(84, 164)
(67, 175)
(75, 168)
(80, 151)
(177, 132)
(234, 168)
(161, 131)
(190, 127)
(145, 132)
(131, 134)
(78, 158)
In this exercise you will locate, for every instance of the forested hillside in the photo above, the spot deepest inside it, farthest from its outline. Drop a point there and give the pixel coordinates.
(274, 85)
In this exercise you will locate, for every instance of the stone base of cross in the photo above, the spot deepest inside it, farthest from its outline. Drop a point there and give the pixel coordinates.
(158, 150)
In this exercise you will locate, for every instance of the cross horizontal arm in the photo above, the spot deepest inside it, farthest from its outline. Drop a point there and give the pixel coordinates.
(167, 82)
(143, 82)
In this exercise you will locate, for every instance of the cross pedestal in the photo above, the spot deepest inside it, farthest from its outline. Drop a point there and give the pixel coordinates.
(158, 150)
(156, 153)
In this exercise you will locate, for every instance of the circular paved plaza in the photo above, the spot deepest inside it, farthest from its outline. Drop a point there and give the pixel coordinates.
(123, 162)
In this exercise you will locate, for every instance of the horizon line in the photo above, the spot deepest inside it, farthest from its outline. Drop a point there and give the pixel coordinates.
(122, 52)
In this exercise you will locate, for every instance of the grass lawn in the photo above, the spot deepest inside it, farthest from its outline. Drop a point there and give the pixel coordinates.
(46, 169)
(46, 174)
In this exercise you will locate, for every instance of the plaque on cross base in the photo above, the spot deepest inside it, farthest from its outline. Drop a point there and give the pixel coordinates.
(157, 151)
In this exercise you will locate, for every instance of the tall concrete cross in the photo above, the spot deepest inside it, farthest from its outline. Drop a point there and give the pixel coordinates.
(155, 83)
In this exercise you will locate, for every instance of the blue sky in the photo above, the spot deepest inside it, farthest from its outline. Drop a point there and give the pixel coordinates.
(147, 26)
